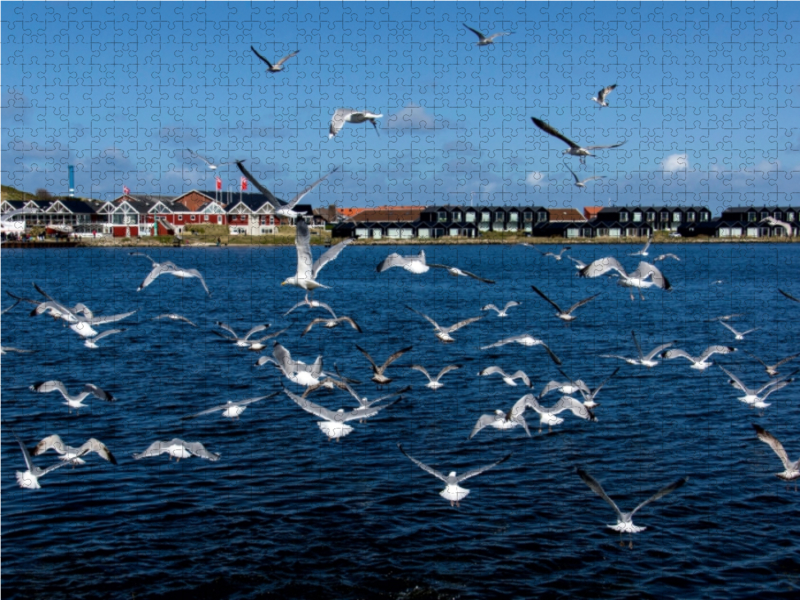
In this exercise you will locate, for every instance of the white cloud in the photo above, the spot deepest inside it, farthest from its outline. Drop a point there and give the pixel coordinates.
(675, 162)
(536, 178)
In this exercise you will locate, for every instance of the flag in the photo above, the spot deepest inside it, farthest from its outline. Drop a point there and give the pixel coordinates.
(125, 190)
(219, 183)
(244, 183)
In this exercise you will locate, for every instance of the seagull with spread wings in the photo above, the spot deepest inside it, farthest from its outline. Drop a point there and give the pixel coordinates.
(525, 339)
(212, 166)
(334, 423)
(565, 315)
(231, 409)
(29, 478)
(378, 375)
(168, 268)
(504, 420)
(433, 382)
(70, 454)
(579, 183)
(791, 470)
(413, 264)
(76, 401)
(349, 115)
(644, 360)
(504, 311)
(549, 416)
(574, 149)
(177, 448)
(278, 66)
(698, 362)
(645, 275)
(307, 271)
(507, 379)
(443, 333)
(601, 95)
(484, 40)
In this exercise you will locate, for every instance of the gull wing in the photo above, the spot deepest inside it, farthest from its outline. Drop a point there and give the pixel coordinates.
(601, 147)
(256, 329)
(658, 349)
(511, 304)
(491, 307)
(423, 466)
(107, 319)
(521, 375)
(577, 408)
(156, 448)
(716, 350)
(646, 269)
(95, 445)
(461, 324)
(48, 386)
(737, 382)
(554, 132)
(49, 297)
(98, 393)
(551, 385)
(447, 369)
(316, 409)
(601, 95)
(782, 362)
(660, 494)
(196, 273)
(393, 357)
(100, 336)
(668, 255)
(311, 325)
(503, 342)
(729, 328)
(579, 263)
(25, 454)
(582, 302)
(265, 60)
(283, 358)
(493, 370)
(773, 443)
(573, 172)
(479, 470)
(553, 304)
(291, 204)
(422, 370)
(52, 441)
(272, 199)
(285, 58)
(349, 321)
(204, 159)
(595, 486)
(305, 261)
(157, 270)
(227, 405)
(369, 358)
(789, 296)
(593, 393)
(481, 37)
(678, 353)
(395, 260)
(338, 120)
(199, 450)
(228, 328)
(175, 317)
(382, 398)
(602, 266)
(461, 271)
(427, 318)
(329, 254)
(484, 421)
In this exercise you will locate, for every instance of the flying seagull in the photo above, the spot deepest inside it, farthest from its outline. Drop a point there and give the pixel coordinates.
(230, 410)
(453, 492)
(76, 401)
(378, 371)
(665, 256)
(179, 449)
(507, 379)
(296, 371)
(282, 209)
(524, 339)
(334, 424)
(244, 342)
(601, 95)
(173, 317)
(791, 470)
(484, 40)
(504, 420)
(348, 115)
(92, 341)
(433, 382)
(754, 397)
(548, 415)
(565, 315)
(624, 522)
(645, 275)
(306, 276)
(772, 370)
(168, 268)
(738, 335)
(311, 304)
(29, 479)
(70, 454)
(574, 149)
(644, 360)
(555, 256)
(582, 183)
(330, 323)
(698, 362)
(413, 264)
(643, 251)
(278, 66)
(210, 164)
(443, 333)
(589, 395)
(456, 272)
(504, 312)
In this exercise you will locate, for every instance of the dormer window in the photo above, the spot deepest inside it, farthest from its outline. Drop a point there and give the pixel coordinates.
(690, 216)
(751, 216)
(624, 216)
(442, 214)
(486, 217)
(637, 217)
(527, 216)
(764, 214)
(790, 216)
(778, 214)
(514, 217)
(651, 216)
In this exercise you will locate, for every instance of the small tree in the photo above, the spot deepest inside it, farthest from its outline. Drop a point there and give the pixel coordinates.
(43, 194)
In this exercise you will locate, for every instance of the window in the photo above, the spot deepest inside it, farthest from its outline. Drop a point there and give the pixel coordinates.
(664, 216)
(499, 217)
(704, 216)
(651, 216)
(180, 217)
(205, 218)
(192, 217)
(470, 217)
(456, 215)
(623, 216)
(486, 217)
(637, 217)
(541, 217)
(751, 216)
(778, 214)
(513, 217)
(442, 214)
(528, 216)
(790, 216)
(764, 214)
(690, 216)
(272, 220)
(676, 217)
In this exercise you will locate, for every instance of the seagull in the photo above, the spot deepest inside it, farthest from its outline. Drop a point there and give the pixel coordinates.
(335, 424)
(433, 382)
(555, 256)
(244, 342)
(568, 387)
(306, 276)
(414, 264)
(378, 372)
(589, 396)
(753, 397)
(504, 312)
(453, 492)
(278, 66)
(92, 341)
(524, 339)
(282, 209)
(504, 420)
(699, 362)
(456, 272)
(168, 268)
(211, 166)
(230, 410)
(76, 401)
(331, 323)
(638, 279)
(311, 304)
(579, 264)
(772, 370)
(70, 454)
(348, 115)
(582, 184)
(601, 95)
(296, 371)
(507, 379)
(443, 333)
(565, 315)
(178, 449)
(643, 360)
(4, 349)
(643, 251)
(786, 226)
(724, 318)
(791, 470)
(789, 296)
(29, 479)
(482, 39)
(739, 335)
(173, 317)
(574, 149)
(624, 522)
(548, 415)
(665, 256)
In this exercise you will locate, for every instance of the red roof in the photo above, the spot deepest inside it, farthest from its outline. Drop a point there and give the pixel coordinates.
(590, 212)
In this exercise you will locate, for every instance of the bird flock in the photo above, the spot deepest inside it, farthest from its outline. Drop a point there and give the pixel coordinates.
(577, 397)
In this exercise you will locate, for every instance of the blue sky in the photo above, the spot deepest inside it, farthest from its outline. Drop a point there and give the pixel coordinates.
(707, 100)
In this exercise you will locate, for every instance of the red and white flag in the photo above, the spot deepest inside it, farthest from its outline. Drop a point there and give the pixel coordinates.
(125, 190)
(244, 183)
(219, 183)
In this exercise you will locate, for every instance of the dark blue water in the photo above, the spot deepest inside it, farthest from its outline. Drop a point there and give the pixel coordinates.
(284, 513)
